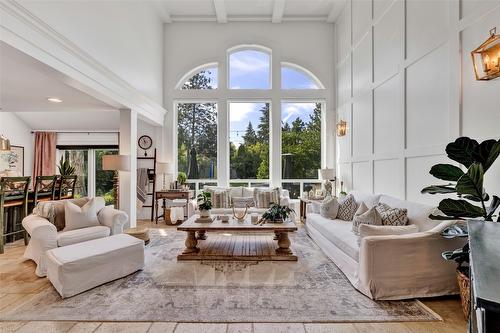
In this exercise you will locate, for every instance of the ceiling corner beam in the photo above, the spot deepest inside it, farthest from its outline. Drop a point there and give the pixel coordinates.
(278, 10)
(220, 11)
(335, 11)
(162, 12)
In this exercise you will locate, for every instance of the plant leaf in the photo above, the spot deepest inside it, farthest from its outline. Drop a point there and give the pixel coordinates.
(438, 189)
(460, 208)
(443, 218)
(495, 203)
(493, 155)
(446, 172)
(472, 182)
(486, 197)
(462, 150)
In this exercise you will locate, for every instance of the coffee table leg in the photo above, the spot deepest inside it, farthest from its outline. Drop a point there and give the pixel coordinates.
(191, 243)
(283, 244)
(202, 235)
(276, 236)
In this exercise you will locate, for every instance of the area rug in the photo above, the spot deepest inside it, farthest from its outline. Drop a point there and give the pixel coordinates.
(310, 290)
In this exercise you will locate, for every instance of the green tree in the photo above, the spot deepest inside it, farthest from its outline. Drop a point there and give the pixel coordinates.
(250, 137)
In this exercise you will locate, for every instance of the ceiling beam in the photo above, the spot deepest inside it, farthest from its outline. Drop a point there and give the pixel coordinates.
(278, 10)
(335, 11)
(220, 11)
(162, 11)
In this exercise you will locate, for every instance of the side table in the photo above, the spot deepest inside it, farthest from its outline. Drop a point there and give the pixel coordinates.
(170, 195)
(303, 206)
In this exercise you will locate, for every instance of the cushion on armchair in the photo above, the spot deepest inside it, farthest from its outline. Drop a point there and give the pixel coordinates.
(81, 217)
(53, 211)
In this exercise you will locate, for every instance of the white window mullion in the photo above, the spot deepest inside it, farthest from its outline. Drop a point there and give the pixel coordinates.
(222, 143)
(91, 173)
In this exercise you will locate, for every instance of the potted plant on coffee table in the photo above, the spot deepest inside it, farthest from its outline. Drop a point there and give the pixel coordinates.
(204, 204)
(276, 214)
(476, 158)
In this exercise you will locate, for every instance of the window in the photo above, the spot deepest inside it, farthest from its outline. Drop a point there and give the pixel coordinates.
(249, 140)
(79, 159)
(249, 69)
(296, 77)
(104, 178)
(197, 140)
(300, 143)
(205, 78)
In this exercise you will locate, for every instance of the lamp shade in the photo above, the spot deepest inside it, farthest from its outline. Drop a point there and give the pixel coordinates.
(4, 143)
(163, 168)
(116, 162)
(327, 174)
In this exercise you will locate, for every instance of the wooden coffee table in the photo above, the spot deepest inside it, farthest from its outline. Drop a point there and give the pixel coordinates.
(236, 240)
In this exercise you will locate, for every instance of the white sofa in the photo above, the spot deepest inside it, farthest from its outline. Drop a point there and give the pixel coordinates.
(44, 235)
(239, 192)
(389, 267)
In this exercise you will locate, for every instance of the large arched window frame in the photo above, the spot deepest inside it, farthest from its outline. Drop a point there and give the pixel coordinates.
(223, 96)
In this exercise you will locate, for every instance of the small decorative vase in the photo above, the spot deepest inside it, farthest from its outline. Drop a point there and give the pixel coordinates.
(204, 213)
(240, 216)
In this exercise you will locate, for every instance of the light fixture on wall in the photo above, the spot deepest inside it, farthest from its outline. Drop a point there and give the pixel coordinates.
(4, 143)
(116, 163)
(486, 58)
(341, 128)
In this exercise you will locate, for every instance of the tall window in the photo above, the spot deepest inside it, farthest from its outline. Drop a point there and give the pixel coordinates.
(249, 140)
(197, 140)
(104, 178)
(79, 159)
(203, 79)
(295, 77)
(249, 69)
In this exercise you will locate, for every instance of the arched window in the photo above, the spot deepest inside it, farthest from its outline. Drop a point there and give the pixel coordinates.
(249, 68)
(296, 77)
(201, 77)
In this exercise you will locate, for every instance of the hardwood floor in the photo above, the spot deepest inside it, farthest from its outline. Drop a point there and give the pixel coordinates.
(18, 284)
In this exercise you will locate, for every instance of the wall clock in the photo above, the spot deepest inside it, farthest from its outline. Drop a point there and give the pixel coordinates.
(145, 142)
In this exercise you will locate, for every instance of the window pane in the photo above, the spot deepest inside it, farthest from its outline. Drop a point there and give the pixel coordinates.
(197, 140)
(300, 140)
(79, 160)
(249, 140)
(238, 184)
(204, 79)
(293, 189)
(292, 78)
(249, 69)
(104, 178)
(311, 186)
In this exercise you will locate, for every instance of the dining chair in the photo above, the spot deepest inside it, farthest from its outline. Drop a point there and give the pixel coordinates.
(66, 187)
(44, 190)
(13, 194)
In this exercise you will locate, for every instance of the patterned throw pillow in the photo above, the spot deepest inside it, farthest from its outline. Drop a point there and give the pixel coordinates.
(395, 216)
(382, 207)
(347, 208)
(264, 196)
(242, 202)
(365, 216)
(329, 208)
(220, 198)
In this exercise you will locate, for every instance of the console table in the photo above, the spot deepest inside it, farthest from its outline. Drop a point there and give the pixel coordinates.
(170, 195)
(485, 276)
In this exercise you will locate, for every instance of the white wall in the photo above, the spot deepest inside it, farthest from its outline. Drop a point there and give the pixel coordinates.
(406, 87)
(125, 36)
(188, 45)
(19, 134)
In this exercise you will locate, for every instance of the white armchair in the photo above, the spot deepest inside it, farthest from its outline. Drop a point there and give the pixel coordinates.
(45, 236)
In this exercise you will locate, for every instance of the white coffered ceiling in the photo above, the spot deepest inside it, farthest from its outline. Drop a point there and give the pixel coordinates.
(223, 11)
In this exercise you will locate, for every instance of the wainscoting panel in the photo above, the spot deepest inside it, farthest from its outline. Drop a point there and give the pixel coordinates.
(413, 90)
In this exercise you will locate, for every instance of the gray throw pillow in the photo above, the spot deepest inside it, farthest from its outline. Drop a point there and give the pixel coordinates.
(365, 216)
(395, 216)
(329, 208)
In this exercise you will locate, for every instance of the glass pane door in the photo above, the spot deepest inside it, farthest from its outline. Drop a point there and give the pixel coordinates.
(79, 159)
(104, 178)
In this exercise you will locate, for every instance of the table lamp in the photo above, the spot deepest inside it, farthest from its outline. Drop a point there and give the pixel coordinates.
(116, 163)
(328, 175)
(164, 168)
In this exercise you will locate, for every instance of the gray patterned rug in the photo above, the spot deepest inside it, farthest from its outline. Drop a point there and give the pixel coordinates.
(310, 290)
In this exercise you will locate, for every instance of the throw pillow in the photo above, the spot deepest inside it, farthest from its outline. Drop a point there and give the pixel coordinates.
(242, 202)
(53, 211)
(382, 207)
(329, 208)
(395, 216)
(80, 217)
(347, 208)
(220, 198)
(381, 230)
(365, 216)
(264, 196)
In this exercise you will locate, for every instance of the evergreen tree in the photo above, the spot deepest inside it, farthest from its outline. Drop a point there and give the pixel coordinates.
(263, 127)
(250, 137)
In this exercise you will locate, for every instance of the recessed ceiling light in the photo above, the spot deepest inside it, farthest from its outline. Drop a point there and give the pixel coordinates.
(54, 100)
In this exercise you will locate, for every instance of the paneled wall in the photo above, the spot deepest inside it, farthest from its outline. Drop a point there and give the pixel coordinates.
(405, 86)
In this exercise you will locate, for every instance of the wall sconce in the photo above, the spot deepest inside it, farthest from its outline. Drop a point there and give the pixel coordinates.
(341, 128)
(486, 58)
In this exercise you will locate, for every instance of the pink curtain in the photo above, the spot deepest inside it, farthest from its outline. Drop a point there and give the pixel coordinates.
(45, 154)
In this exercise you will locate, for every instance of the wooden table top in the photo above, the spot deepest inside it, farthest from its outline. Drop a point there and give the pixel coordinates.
(234, 225)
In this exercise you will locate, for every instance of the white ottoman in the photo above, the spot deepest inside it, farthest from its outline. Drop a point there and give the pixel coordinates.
(79, 267)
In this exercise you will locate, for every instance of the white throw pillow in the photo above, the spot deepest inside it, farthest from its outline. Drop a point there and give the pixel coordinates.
(381, 230)
(365, 216)
(329, 208)
(84, 217)
(347, 208)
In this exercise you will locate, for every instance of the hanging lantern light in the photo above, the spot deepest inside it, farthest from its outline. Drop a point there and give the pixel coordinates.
(341, 128)
(486, 58)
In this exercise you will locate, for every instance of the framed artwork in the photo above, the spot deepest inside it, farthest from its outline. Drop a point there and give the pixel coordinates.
(13, 160)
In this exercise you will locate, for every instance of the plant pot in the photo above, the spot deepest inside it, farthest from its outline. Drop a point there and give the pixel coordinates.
(204, 213)
(464, 284)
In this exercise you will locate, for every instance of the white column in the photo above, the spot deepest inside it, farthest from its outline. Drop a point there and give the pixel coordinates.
(128, 179)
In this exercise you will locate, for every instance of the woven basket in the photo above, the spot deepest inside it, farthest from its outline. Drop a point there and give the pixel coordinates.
(464, 284)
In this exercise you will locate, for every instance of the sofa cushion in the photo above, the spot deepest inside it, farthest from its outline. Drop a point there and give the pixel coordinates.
(329, 207)
(81, 217)
(242, 202)
(247, 191)
(53, 211)
(395, 216)
(347, 208)
(366, 230)
(338, 232)
(264, 197)
(65, 238)
(418, 213)
(365, 216)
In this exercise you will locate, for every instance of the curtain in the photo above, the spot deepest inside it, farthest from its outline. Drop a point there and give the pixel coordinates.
(45, 154)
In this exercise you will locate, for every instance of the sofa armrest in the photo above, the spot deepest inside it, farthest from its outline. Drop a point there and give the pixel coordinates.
(411, 262)
(313, 208)
(40, 228)
(115, 219)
